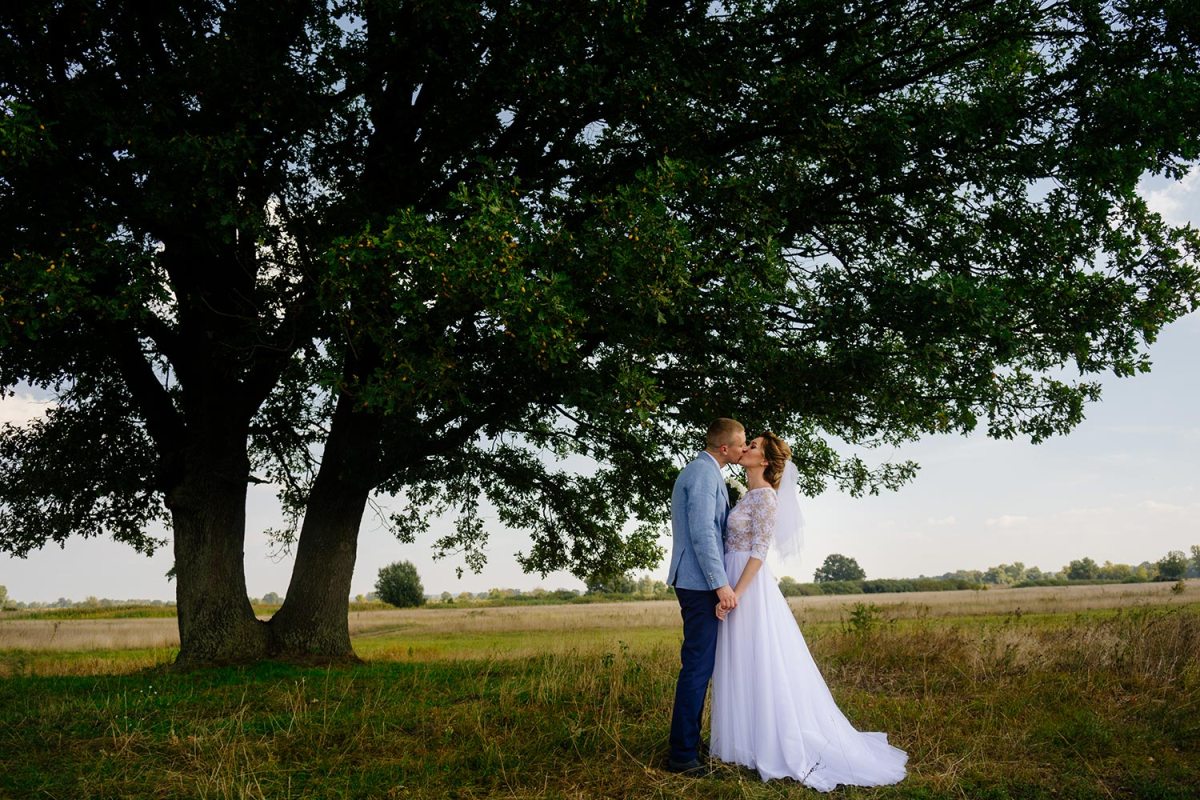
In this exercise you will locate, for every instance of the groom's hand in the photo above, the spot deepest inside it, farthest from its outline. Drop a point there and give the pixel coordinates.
(727, 597)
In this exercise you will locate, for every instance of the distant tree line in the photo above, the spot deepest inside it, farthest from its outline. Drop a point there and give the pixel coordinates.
(841, 574)
(617, 586)
(838, 574)
(1173, 566)
(790, 587)
(598, 588)
(88, 602)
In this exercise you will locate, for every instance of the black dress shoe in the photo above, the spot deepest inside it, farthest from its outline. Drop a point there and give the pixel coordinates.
(690, 769)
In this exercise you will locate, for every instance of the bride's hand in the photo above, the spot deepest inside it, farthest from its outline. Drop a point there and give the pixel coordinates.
(722, 612)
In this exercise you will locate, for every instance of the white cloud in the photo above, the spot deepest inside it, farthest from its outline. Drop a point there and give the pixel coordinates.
(1177, 202)
(22, 407)
(1006, 521)
(1154, 505)
(941, 521)
(1099, 511)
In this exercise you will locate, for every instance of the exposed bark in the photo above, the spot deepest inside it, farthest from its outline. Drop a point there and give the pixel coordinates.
(314, 619)
(208, 507)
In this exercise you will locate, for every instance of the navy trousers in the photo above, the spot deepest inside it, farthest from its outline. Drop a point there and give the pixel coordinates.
(697, 656)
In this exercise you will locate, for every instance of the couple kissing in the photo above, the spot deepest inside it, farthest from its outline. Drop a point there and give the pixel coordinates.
(771, 709)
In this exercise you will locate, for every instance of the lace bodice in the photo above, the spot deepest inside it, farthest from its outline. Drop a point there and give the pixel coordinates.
(751, 524)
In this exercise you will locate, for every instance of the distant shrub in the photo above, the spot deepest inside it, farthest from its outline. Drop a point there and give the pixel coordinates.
(837, 568)
(611, 583)
(1115, 572)
(399, 585)
(863, 619)
(841, 587)
(1173, 566)
(880, 585)
(789, 587)
(1044, 582)
(1083, 569)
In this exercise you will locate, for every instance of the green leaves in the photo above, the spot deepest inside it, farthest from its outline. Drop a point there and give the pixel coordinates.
(22, 134)
(838, 567)
(80, 471)
(529, 233)
(399, 585)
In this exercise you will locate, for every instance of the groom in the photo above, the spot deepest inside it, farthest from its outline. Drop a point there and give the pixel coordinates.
(699, 505)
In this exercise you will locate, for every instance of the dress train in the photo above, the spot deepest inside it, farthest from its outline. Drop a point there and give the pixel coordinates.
(772, 710)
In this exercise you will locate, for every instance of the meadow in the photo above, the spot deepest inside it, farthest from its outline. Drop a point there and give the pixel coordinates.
(1065, 692)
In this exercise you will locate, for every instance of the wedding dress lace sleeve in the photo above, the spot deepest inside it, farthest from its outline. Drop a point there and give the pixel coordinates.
(751, 524)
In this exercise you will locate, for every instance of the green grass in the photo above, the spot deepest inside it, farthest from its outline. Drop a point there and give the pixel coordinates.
(29, 663)
(422, 646)
(1102, 704)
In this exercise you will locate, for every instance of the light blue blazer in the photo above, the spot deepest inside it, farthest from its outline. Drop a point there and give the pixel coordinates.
(699, 506)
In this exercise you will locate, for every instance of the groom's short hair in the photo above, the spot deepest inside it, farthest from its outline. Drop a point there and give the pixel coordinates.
(721, 431)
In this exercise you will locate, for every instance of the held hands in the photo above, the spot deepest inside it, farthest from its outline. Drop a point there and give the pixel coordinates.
(728, 601)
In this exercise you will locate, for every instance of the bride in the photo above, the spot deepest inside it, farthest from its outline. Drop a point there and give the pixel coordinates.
(771, 709)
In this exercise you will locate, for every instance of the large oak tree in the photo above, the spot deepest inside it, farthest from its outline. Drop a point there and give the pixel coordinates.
(518, 253)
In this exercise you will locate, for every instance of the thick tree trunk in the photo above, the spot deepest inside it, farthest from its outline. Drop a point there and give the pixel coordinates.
(314, 619)
(216, 622)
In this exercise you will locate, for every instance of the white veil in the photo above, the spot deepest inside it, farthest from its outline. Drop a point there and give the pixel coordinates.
(789, 521)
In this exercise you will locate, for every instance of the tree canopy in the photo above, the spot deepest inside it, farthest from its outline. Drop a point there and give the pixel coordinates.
(399, 585)
(1082, 569)
(519, 253)
(838, 567)
(1173, 566)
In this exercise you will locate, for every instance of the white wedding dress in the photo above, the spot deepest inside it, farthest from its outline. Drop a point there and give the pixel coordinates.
(771, 709)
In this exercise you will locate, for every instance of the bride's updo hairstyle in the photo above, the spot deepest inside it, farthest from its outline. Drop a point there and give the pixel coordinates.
(777, 453)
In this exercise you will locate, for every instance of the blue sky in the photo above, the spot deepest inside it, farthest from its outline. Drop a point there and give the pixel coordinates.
(1124, 487)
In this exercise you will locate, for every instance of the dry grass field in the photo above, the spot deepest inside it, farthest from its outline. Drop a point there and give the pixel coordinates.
(1072, 692)
(162, 633)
